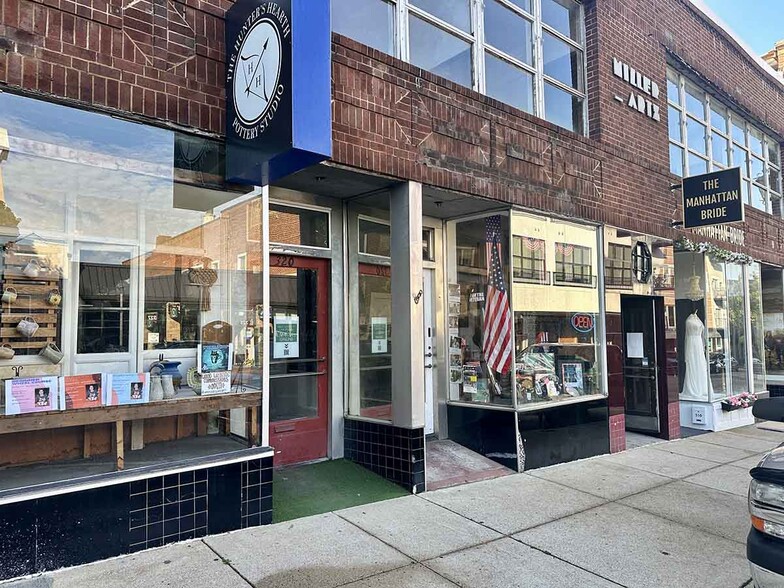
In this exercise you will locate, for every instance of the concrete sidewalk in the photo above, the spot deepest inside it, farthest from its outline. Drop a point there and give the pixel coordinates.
(670, 514)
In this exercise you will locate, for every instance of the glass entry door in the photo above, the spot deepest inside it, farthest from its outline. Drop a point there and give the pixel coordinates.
(299, 366)
(641, 365)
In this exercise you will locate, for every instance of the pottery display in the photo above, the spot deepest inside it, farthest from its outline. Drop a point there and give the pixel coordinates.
(156, 389)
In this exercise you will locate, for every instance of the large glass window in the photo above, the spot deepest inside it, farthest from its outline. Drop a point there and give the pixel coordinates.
(132, 291)
(730, 327)
(527, 53)
(699, 144)
(557, 357)
(371, 22)
(472, 338)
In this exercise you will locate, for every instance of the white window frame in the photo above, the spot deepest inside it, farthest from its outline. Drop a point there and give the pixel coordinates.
(480, 48)
(770, 192)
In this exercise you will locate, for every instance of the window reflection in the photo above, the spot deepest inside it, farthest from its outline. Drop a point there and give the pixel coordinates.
(371, 22)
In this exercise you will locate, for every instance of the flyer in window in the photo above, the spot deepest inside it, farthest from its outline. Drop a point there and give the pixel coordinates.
(25, 395)
(214, 357)
(285, 340)
(126, 389)
(378, 334)
(84, 391)
(215, 383)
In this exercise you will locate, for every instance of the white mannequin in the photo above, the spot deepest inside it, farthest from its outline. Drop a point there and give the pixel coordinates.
(695, 383)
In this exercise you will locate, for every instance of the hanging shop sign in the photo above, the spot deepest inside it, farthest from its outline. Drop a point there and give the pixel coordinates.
(712, 199)
(278, 88)
(378, 334)
(643, 93)
(286, 337)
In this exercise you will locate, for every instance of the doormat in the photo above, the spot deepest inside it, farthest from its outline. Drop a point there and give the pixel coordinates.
(301, 491)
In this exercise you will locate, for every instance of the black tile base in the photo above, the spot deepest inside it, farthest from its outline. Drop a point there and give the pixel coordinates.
(563, 433)
(553, 434)
(82, 526)
(394, 453)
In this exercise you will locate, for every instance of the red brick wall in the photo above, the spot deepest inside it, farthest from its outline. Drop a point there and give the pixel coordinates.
(157, 58)
(162, 59)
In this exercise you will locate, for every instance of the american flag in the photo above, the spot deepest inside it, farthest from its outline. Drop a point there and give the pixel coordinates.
(497, 333)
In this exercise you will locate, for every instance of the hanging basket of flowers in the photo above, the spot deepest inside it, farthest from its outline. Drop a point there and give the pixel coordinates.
(742, 400)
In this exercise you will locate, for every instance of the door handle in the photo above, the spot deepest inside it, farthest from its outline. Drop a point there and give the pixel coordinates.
(429, 366)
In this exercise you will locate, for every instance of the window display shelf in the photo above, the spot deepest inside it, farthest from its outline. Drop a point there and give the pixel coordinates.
(110, 414)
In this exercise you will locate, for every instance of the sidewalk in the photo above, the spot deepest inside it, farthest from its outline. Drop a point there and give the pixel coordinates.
(670, 514)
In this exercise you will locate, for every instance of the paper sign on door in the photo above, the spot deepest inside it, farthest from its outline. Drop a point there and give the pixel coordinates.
(286, 337)
(634, 345)
(378, 334)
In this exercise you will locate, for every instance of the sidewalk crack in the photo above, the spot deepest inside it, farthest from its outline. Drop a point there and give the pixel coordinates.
(228, 563)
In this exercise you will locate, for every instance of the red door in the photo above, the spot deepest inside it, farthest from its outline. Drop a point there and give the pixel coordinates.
(299, 366)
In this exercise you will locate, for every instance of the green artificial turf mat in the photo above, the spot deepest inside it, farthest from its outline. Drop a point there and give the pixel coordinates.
(301, 491)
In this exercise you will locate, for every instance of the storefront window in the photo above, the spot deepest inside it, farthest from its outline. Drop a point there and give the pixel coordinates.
(773, 321)
(375, 341)
(479, 312)
(557, 356)
(374, 238)
(738, 337)
(733, 301)
(757, 328)
(121, 277)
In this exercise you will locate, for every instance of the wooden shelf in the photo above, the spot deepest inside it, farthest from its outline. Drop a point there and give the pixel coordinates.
(111, 414)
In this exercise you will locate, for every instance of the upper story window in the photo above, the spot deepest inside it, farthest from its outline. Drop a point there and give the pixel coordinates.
(527, 53)
(573, 264)
(618, 266)
(706, 136)
(528, 259)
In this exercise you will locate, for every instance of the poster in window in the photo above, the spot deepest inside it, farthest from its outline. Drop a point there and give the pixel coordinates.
(214, 357)
(26, 395)
(129, 388)
(285, 343)
(85, 391)
(572, 377)
(378, 334)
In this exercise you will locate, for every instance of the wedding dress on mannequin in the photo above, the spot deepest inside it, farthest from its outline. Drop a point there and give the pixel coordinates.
(695, 383)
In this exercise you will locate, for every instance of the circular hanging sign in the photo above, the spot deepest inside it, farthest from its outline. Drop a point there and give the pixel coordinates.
(582, 322)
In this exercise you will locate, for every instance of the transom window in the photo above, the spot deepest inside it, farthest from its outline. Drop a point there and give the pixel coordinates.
(528, 262)
(573, 264)
(706, 136)
(526, 53)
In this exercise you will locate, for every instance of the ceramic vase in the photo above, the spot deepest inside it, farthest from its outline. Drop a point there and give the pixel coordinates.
(168, 387)
(156, 389)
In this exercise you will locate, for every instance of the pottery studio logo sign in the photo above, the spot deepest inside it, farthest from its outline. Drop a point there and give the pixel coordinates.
(254, 69)
(258, 75)
(712, 199)
(278, 55)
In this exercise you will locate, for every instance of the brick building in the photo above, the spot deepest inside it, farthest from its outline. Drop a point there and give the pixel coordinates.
(775, 57)
(552, 130)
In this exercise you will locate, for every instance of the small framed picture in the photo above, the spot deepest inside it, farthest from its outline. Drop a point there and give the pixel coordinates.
(572, 377)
